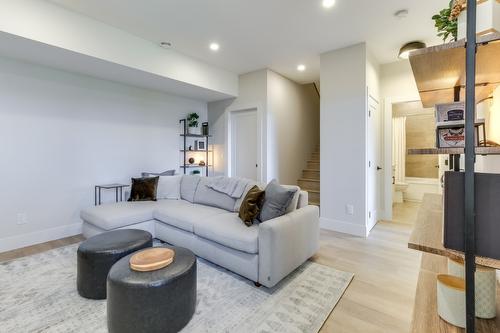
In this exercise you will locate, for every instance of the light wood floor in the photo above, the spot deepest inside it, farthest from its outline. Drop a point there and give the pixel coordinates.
(381, 296)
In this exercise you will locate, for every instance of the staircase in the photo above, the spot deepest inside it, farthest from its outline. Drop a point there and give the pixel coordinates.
(310, 178)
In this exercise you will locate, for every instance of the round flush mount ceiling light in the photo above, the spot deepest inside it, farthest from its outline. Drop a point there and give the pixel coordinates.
(404, 52)
(214, 46)
(301, 68)
(401, 14)
(328, 3)
(166, 45)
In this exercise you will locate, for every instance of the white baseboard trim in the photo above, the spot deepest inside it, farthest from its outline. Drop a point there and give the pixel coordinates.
(344, 227)
(41, 236)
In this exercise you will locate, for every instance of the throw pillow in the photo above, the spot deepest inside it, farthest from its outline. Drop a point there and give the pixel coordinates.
(250, 207)
(144, 189)
(276, 201)
(169, 187)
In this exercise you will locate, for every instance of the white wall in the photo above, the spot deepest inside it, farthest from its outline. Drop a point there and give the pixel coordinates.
(290, 122)
(292, 127)
(62, 133)
(252, 94)
(50, 24)
(343, 139)
(397, 81)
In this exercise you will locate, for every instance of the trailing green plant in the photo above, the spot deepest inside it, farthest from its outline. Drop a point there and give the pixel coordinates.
(446, 21)
(192, 119)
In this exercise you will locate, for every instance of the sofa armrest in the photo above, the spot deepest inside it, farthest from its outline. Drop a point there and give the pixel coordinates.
(287, 242)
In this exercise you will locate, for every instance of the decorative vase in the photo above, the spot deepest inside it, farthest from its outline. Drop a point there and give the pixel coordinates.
(487, 19)
(194, 130)
(486, 287)
(451, 299)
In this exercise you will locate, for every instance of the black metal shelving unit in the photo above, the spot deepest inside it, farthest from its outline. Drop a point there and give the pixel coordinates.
(185, 135)
(439, 72)
(470, 160)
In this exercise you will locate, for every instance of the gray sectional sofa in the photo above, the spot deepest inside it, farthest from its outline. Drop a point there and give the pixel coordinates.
(206, 222)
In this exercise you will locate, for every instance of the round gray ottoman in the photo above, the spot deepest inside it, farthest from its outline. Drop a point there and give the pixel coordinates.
(97, 254)
(160, 301)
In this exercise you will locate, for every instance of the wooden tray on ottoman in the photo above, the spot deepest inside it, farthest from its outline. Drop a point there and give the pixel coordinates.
(152, 259)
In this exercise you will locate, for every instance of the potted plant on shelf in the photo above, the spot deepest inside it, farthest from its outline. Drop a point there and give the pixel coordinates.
(446, 21)
(452, 21)
(192, 120)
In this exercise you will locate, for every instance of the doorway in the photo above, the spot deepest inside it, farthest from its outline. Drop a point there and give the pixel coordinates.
(244, 144)
(374, 155)
(412, 126)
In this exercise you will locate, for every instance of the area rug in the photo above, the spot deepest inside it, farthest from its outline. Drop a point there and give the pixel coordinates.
(38, 294)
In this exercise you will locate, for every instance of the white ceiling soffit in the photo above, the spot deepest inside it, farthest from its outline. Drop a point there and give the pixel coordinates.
(40, 32)
(20, 48)
(275, 34)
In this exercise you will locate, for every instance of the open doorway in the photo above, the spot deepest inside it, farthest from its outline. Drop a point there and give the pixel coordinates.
(412, 126)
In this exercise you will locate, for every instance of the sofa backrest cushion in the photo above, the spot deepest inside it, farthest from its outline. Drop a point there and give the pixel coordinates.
(188, 187)
(169, 187)
(206, 196)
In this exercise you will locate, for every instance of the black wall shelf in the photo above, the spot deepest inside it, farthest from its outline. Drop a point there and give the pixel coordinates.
(184, 151)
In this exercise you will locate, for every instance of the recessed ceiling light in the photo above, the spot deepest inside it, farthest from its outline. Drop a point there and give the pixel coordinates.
(328, 3)
(401, 14)
(301, 68)
(404, 52)
(214, 46)
(166, 45)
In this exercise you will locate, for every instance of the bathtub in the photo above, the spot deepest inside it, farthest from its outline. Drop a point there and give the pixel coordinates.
(417, 187)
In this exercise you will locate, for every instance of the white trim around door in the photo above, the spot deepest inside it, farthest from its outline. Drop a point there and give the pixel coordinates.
(261, 163)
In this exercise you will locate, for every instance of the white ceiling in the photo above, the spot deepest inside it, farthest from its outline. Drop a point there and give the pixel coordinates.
(278, 34)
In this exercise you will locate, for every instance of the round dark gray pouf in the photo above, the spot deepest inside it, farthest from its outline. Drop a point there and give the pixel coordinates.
(98, 254)
(161, 301)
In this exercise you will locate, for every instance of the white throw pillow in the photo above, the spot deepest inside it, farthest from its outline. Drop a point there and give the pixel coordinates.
(169, 187)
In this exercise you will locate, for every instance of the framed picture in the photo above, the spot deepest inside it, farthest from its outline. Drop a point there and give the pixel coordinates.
(201, 145)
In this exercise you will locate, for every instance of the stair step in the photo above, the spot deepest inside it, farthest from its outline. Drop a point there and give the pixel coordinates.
(313, 195)
(310, 174)
(309, 184)
(313, 165)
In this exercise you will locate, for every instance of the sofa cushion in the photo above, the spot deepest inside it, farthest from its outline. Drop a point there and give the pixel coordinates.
(295, 199)
(228, 230)
(188, 187)
(120, 214)
(250, 207)
(144, 189)
(169, 187)
(207, 196)
(277, 201)
(183, 214)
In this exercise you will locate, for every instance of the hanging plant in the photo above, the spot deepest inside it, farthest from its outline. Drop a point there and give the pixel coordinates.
(446, 21)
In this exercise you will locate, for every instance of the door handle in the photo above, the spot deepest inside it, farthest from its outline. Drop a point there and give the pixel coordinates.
(378, 168)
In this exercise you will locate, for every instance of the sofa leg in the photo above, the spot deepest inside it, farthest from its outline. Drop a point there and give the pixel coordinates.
(258, 285)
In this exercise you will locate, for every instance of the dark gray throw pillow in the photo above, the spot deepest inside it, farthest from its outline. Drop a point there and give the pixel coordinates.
(276, 201)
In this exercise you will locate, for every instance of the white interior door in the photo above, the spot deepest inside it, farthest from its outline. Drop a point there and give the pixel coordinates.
(374, 154)
(244, 144)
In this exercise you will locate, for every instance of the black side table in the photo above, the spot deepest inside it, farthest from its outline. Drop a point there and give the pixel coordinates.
(118, 189)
